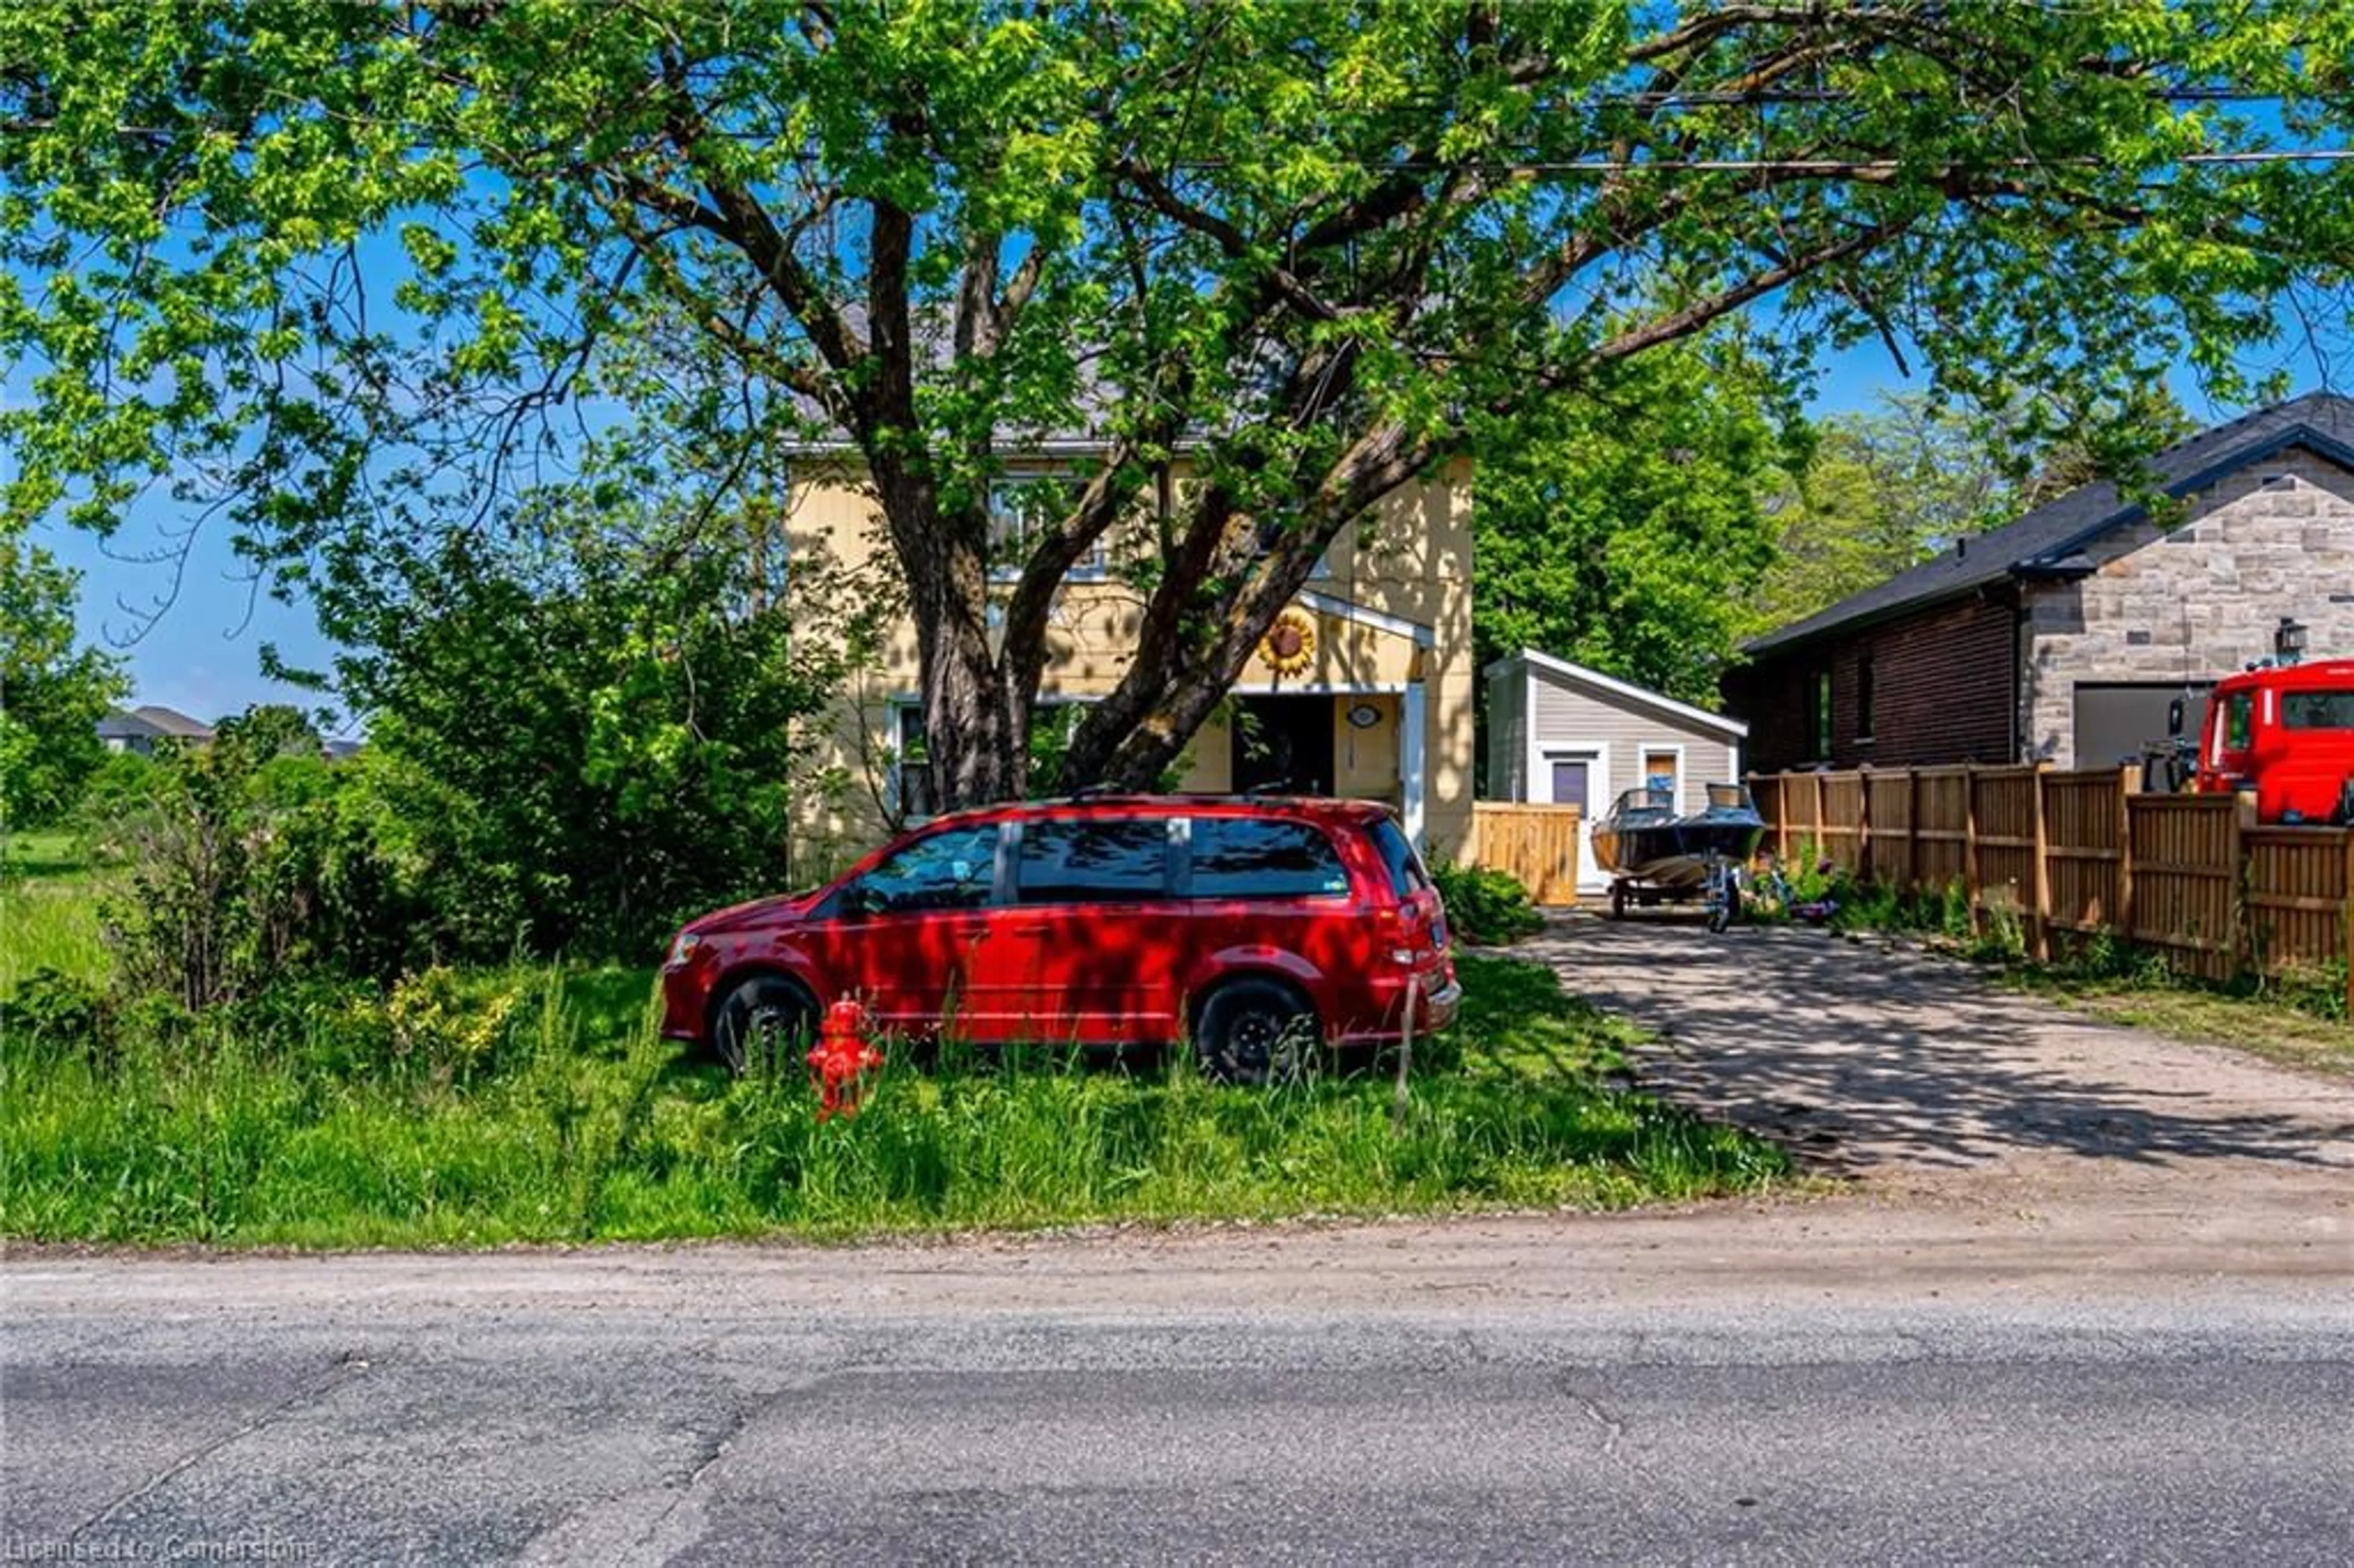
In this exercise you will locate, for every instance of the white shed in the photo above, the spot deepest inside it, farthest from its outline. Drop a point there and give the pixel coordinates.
(1562, 733)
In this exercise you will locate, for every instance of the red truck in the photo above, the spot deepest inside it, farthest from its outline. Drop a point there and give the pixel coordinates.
(2285, 731)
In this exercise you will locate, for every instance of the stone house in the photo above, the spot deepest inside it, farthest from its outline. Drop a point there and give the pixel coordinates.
(1363, 688)
(2065, 636)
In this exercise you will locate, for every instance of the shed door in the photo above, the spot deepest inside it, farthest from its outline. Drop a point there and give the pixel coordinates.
(2114, 722)
(1575, 778)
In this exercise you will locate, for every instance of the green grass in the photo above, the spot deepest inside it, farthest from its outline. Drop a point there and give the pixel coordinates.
(324, 1125)
(49, 910)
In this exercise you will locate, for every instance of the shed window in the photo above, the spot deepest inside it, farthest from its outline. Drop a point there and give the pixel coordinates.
(1818, 714)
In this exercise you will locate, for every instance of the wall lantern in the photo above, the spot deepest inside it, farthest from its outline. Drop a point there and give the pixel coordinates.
(2288, 642)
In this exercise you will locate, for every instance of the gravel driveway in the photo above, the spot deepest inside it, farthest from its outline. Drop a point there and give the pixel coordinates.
(1899, 1065)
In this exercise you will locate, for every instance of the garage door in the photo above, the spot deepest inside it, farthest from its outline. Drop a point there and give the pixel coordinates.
(2115, 721)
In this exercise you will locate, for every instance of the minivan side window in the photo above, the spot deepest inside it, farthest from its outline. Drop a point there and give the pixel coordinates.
(1252, 857)
(953, 869)
(1093, 859)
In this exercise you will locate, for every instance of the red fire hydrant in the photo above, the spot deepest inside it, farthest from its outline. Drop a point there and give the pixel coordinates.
(842, 1060)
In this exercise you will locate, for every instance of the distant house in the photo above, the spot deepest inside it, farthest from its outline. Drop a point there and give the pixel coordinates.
(2064, 636)
(1563, 733)
(138, 729)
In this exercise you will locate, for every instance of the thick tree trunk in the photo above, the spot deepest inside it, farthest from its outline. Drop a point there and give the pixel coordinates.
(976, 730)
(1189, 653)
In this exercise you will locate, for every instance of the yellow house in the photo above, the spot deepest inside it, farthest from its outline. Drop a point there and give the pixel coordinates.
(1363, 689)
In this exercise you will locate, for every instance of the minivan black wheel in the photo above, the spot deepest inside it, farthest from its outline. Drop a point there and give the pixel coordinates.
(1256, 1031)
(764, 1025)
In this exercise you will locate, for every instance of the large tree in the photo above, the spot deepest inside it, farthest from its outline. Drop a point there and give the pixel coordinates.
(1876, 491)
(1311, 244)
(1626, 528)
(53, 688)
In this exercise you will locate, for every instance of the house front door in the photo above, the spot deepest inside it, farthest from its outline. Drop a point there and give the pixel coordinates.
(1283, 744)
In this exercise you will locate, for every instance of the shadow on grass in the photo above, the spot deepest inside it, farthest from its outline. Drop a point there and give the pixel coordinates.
(596, 1129)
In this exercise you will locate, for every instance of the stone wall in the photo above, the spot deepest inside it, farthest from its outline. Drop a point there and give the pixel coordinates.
(2275, 538)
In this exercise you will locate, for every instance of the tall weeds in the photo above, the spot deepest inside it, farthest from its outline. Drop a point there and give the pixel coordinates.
(579, 1122)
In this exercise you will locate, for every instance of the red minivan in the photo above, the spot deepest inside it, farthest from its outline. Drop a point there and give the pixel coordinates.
(1249, 925)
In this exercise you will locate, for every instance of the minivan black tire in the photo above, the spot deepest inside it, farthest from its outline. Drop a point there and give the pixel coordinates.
(1256, 1031)
(764, 1025)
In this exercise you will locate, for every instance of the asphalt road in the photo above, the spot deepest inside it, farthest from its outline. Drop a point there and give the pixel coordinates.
(1652, 1389)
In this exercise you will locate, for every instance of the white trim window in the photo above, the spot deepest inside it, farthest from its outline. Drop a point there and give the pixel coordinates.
(908, 784)
(1020, 509)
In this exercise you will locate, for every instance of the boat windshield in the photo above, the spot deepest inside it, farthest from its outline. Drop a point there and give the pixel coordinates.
(1730, 798)
(1645, 805)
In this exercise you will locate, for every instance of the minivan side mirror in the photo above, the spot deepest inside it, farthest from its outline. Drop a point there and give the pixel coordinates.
(2174, 717)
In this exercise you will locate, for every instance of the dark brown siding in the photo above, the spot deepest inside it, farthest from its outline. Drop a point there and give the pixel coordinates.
(1942, 691)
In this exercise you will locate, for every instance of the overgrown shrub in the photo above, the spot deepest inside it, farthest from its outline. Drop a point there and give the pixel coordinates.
(244, 871)
(53, 1015)
(1486, 907)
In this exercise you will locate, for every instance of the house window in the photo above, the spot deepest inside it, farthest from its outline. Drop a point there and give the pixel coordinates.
(1020, 513)
(1818, 714)
(1662, 773)
(1863, 697)
(911, 771)
(1053, 722)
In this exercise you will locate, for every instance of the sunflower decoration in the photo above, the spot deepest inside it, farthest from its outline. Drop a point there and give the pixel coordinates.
(1289, 645)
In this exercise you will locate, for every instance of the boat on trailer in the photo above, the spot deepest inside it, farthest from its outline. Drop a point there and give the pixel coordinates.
(1656, 854)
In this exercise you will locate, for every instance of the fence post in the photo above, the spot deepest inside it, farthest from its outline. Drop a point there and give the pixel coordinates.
(1817, 780)
(2128, 785)
(1912, 830)
(1781, 813)
(2040, 929)
(1970, 840)
(1864, 870)
(2243, 817)
(2349, 922)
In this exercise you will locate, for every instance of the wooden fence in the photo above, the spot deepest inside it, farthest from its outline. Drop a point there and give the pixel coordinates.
(1538, 844)
(2073, 854)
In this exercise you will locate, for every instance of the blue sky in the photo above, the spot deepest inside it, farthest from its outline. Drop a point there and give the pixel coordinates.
(201, 654)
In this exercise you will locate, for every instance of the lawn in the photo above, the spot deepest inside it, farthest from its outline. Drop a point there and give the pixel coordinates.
(49, 910)
(540, 1106)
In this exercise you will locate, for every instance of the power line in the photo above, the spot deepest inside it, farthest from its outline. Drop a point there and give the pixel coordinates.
(1786, 165)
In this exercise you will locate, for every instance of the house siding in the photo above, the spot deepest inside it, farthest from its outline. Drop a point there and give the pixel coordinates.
(1569, 715)
(2198, 600)
(1409, 558)
(1942, 691)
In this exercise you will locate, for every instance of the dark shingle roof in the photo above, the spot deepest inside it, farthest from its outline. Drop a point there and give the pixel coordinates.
(2044, 539)
(120, 725)
(173, 722)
